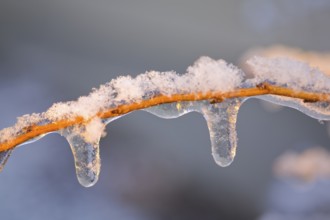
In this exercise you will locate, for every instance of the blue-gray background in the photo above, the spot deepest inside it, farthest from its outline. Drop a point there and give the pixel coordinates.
(152, 168)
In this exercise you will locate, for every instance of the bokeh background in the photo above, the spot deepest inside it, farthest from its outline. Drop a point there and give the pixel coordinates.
(152, 168)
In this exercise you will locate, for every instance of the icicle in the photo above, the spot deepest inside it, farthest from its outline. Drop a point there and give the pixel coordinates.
(4, 158)
(172, 110)
(85, 149)
(221, 122)
(318, 110)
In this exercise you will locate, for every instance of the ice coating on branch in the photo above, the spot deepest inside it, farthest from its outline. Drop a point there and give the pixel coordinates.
(318, 110)
(4, 157)
(289, 73)
(173, 110)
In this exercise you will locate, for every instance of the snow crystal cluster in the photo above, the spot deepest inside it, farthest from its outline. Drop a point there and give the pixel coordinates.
(204, 76)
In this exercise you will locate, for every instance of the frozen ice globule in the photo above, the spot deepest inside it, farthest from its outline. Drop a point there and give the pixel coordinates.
(86, 155)
(221, 122)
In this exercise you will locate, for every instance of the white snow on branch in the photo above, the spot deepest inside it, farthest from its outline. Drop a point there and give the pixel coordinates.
(287, 72)
(204, 75)
(313, 58)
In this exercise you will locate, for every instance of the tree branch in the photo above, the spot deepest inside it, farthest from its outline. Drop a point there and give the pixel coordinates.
(33, 131)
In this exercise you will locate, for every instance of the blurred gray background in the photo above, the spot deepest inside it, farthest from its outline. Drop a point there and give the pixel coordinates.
(152, 168)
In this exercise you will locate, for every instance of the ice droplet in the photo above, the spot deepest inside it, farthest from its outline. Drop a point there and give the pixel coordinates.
(221, 122)
(86, 154)
(4, 158)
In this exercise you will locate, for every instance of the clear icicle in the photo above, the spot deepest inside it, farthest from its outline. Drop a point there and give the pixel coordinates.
(4, 158)
(86, 154)
(221, 122)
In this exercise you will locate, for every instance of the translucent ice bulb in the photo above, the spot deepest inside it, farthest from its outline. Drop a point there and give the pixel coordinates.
(221, 122)
(86, 155)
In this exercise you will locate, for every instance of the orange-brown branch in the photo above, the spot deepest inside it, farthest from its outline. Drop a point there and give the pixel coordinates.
(262, 89)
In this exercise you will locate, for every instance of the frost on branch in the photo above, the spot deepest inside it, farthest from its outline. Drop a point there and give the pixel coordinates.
(211, 87)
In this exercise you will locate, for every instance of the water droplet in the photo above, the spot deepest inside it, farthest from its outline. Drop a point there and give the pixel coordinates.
(4, 158)
(221, 122)
(86, 154)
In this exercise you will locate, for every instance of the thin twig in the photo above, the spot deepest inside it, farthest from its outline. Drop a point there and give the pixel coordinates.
(33, 131)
